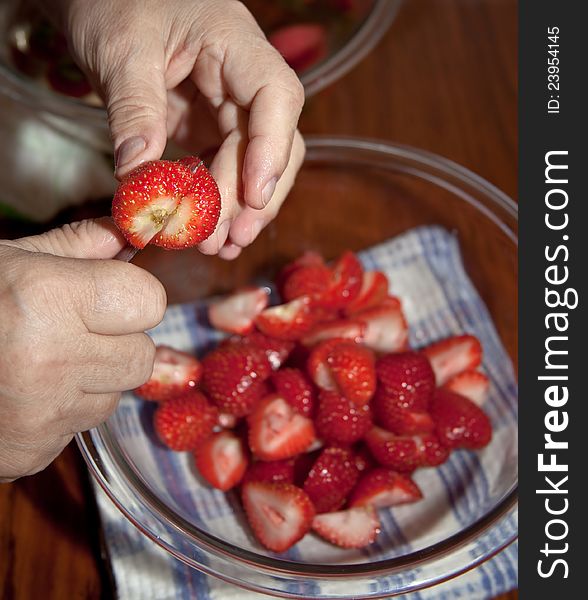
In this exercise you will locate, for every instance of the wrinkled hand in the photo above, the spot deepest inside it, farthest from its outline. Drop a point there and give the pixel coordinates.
(165, 68)
(72, 338)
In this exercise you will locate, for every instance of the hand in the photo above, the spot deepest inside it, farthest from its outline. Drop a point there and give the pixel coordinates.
(202, 73)
(72, 338)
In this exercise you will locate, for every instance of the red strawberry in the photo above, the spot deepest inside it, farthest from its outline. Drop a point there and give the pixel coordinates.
(297, 389)
(302, 45)
(400, 421)
(277, 351)
(382, 487)
(307, 259)
(275, 471)
(167, 203)
(227, 421)
(453, 355)
(339, 420)
(235, 313)
(401, 453)
(363, 459)
(174, 373)
(278, 431)
(471, 384)
(432, 452)
(331, 478)
(346, 279)
(351, 329)
(67, 78)
(351, 528)
(185, 422)
(280, 514)
(234, 375)
(311, 280)
(287, 321)
(373, 291)
(386, 327)
(459, 422)
(318, 366)
(222, 460)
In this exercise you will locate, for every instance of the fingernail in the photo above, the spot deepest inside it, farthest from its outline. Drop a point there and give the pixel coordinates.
(128, 151)
(256, 227)
(268, 191)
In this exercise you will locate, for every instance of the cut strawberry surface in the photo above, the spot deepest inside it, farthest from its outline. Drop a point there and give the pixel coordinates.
(349, 329)
(167, 204)
(339, 420)
(373, 291)
(302, 45)
(280, 514)
(453, 355)
(174, 373)
(351, 528)
(386, 327)
(288, 321)
(222, 460)
(277, 430)
(297, 389)
(236, 313)
(318, 366)
(383, 487)
(471, 384)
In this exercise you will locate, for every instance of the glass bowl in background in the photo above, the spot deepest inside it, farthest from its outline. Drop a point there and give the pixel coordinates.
(377, 190)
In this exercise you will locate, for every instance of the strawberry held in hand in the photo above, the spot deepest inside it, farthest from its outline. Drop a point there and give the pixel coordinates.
(172, 204)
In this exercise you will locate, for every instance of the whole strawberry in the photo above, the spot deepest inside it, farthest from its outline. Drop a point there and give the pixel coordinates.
(339, 420)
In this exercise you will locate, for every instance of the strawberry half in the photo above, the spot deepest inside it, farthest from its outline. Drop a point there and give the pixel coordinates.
(453, 355)
(307, 259)
(170, 204)
(174, 373)
(350, 329)
(339, 420)
(280, 514)
(302, 45)
(401, 453)
(277, 430)
(459, 422)
(471, 384)
(185, 422)
(236, 313)
(346, 280)
(297, 389)
(351, 528)
(311, 280)
(277, 351)
(288, 321)
(373, 291)
(274, 471)
(433, 452)
(222, 460)
(386, 327)
(382, 487)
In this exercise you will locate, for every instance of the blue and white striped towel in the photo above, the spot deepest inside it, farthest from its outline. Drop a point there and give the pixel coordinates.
(426, 271)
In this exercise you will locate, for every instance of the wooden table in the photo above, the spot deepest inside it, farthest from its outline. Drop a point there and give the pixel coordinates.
(444, 79)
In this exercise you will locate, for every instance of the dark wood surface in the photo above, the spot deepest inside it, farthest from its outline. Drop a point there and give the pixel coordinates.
(444, 79)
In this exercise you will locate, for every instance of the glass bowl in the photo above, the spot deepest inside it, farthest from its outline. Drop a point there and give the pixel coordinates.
(351, 194)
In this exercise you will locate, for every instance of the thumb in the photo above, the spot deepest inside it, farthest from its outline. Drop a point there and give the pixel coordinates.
(93, 238)
(136, 101)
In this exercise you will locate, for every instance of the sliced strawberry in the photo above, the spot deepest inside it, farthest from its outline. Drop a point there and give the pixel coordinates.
(353, 369)
(311, 280)
(386, 326)
(453, 355)
(288, 321)
(339, 420)
(222, 460)
(432, 452)
(459, 422)
(275, 471)
(471, 384)
(346, 280)
(167, 204)
(302, 45)
(331, 478)
(398, 420)
(234, 375)
(318, 366)
(401, 453)
(373, 291)
(280, 514)
(185, 422)
(350, 329)
(383, 487)
(235, 313)
(277, 351)
(351, 528)
(307, 259)
(278, 431)
(174, 373)
(297, 389)
(364, 461)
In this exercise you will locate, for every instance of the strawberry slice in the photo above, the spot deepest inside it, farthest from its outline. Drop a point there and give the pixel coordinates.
(453, 355)
(311, 280)
(297, 389)
(401, 453)
(432, 452)
(280, 514)
(288, 321)
(318, 366)
(302, 45)
(339, 420)
(351, 528)
(170, 204)
(222, 460)
(386, 326)
(401, 421)
(373, 291)
(382, 487)
(459, 422)
(346, 280)
(277, 430)
(363, 459)
(274, 471)
(307, 259)
(331, 478)
(277, 351)
(236, 312)
(174, 373)
(471, 384)
(185, 422)
(350, 329)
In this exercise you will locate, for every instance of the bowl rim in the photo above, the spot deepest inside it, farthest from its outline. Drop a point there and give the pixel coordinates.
(280, 566)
